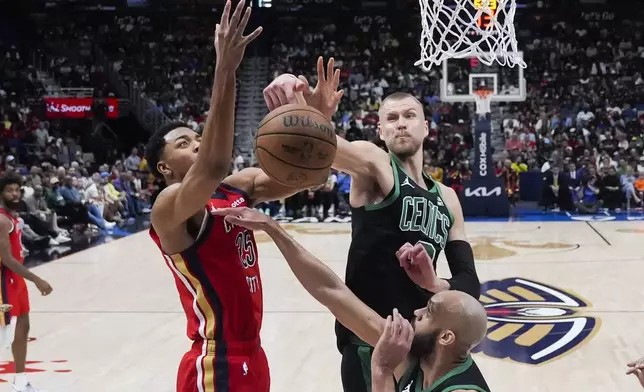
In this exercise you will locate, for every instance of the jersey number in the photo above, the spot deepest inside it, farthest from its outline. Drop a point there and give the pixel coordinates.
(246, 249)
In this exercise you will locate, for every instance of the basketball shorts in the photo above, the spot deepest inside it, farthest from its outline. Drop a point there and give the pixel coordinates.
(356, 367)
(236, 367)
(13, 290)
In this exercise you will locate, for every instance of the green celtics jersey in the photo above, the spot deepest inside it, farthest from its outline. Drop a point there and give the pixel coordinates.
(466, 376)
(409, 213)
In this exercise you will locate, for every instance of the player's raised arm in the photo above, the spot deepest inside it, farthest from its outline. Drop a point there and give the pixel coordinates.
(318, 279)
(180, 201)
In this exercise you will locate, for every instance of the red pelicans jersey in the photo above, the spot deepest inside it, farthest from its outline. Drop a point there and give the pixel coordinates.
(218, 277)
(12, 284)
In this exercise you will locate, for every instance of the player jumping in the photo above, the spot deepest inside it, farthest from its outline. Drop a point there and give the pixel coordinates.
(14, 325)
(214, 263)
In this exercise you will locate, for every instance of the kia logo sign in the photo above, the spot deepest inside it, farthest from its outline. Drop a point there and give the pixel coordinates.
(78, 107)
(483, 191)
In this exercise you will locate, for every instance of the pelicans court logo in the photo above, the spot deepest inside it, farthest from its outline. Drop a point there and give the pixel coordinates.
(533, 323)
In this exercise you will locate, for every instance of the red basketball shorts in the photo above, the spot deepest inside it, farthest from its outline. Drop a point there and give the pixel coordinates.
(13, 290)
(209, 367)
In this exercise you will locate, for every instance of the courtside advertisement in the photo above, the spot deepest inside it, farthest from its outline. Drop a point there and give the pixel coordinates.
(80, 108)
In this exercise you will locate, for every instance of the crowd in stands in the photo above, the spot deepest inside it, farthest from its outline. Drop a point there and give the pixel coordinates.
(580, 126)
(66, 195)
(581, 118)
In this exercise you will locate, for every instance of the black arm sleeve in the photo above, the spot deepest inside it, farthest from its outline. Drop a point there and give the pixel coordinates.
(461, 264)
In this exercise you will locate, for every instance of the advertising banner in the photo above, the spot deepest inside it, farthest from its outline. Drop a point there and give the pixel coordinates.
(81, 108)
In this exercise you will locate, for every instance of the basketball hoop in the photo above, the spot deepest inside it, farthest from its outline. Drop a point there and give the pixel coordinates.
(482, 97)
(466, 28)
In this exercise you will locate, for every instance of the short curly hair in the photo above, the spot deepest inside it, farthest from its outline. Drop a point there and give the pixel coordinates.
(9, 178)
(156, 144)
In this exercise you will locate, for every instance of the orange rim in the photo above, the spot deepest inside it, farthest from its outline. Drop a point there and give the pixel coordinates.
(483, 93)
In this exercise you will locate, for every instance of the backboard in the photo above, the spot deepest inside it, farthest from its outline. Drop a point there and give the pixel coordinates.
(461, 77)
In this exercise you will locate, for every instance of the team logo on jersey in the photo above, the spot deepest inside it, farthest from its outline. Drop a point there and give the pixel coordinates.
(406, 182)
(532, 323)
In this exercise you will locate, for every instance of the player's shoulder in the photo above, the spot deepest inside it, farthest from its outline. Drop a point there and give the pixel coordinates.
(162, 204)
(447, 192)
(6, 223)
(451, 199)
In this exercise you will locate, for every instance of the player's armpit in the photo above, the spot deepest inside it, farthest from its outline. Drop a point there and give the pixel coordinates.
(327, 288)
(458, 251)
(259, 186)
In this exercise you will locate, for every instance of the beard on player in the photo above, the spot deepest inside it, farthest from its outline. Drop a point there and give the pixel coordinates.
(402, 125)
(424, 343)
(11, 193)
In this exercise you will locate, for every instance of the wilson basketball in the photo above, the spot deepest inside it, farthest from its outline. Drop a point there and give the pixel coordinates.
(296, 145)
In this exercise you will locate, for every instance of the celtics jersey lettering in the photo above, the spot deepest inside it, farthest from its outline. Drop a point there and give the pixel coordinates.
(409, 213)
(466, 376)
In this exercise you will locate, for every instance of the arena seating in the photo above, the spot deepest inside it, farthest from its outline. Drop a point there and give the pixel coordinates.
(586, 93)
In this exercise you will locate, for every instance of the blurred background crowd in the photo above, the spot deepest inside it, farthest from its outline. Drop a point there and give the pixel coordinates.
(580, 130)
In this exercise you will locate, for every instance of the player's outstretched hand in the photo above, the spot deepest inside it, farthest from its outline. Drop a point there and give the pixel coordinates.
(419, 266)
(394, 343)
(637, 368)
(230, 43)
(43, 287)
(249, 218)
(325, 97)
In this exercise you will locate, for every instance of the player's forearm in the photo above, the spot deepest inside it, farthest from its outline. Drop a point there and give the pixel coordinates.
(316, 277)
(460, 259)
(219, 130)
(19, 269)
(382, 380)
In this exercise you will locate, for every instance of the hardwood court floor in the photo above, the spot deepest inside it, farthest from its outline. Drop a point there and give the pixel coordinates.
(565, 302)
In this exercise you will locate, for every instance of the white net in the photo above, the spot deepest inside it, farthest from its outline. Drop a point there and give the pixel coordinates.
(466, 28)
(482, 99)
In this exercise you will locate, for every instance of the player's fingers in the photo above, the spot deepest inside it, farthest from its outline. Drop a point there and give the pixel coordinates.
(336, 79)
(396, 322)
(281, 96)
(405, 258)
(251, 37)
(237, 14)
(402, 248)
(225, 16)
(239, 29)
(237, 221)
(269, 100)
(329, 68)
(338, 95)
(302, 85)
(321, 76)
(299, 98)
(387, 331)
(227, 211)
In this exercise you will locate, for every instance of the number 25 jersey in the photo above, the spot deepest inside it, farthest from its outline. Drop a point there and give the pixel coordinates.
(218, 276)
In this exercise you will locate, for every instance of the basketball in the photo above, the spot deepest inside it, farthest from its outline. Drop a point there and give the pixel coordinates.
(296, 145)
